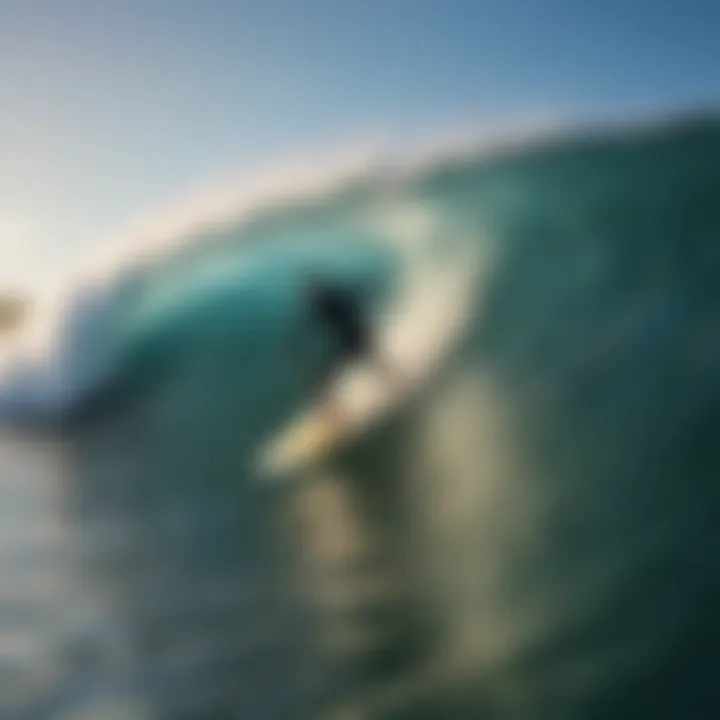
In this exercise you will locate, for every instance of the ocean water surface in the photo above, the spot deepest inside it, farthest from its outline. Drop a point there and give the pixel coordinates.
(533, 536)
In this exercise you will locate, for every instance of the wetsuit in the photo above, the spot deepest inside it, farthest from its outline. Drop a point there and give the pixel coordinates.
(341, 313)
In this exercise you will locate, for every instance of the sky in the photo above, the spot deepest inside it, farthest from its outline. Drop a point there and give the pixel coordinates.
(109, 108)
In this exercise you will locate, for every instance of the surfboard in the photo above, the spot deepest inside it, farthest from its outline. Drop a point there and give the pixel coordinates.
(308, 439)
(413, 341)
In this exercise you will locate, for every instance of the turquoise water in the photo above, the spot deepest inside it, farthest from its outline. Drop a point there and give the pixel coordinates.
(533, 537)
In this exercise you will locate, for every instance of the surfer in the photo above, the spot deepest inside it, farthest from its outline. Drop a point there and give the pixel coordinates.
(340, 312)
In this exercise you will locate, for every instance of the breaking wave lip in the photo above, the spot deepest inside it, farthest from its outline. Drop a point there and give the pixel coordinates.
(42, 373)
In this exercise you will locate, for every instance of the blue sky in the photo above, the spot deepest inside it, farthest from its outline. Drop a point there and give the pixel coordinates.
(111, 107)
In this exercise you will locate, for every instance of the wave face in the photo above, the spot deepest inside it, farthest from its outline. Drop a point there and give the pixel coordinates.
(535, 536)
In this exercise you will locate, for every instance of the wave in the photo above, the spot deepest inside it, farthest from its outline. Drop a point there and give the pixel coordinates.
(360, 217)
(533, 538)
(358, 220)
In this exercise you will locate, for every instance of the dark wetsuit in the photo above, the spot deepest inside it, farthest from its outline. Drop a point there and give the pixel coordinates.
(341, 313)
